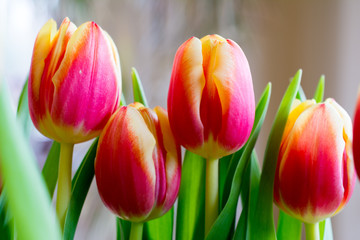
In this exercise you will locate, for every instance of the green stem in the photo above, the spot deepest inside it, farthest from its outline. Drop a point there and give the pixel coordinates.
(64, 181)
(211, 193)
(312, 231)
(136, 231)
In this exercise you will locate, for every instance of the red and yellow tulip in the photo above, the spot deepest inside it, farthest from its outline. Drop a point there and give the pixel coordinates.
(356, 142)
(315, 173)
(74, 82)
(211, 99)
(138, 163)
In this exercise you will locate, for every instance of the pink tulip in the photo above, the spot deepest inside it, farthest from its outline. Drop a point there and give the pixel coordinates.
(315, 174)
(74, 82)
(211, 99)
(356, 143)
(138, 163)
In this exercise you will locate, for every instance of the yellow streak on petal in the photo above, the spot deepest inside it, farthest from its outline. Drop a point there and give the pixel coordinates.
(42, 48)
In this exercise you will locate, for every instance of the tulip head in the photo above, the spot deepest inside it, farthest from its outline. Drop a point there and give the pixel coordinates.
(74, 81)
(211, 99)
(138, 163)
(315, 174)
(356, 143)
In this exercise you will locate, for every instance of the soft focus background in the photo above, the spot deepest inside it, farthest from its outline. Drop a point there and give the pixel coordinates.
(278, 37)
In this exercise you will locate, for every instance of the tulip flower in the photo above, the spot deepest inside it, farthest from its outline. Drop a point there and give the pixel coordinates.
(356, 143)
(315, 174)
(138, 164)
(74, 87)
(211, 104)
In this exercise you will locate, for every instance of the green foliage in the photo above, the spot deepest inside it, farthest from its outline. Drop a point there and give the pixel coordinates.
(222, 225)
(263, 217)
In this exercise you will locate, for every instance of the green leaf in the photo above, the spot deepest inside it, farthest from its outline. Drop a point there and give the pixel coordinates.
(224, 179)
(325, 230)
(263, 216)
(26, 191)
(160, 228)
(222, 225)
(249, 192)
(301, 94)
(6, 220)
(139, 94)
(122, 229)
(319, 92)
(122, 100)
(23, 114)
(51, 166)
(288, 227)
(191, 202)
(80, 187)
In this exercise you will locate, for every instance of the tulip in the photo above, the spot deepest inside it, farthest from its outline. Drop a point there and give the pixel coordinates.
(211, 105)
(211, 99)
(315, 175)
(356, 142)
(74, 87)
(138, 164)
(74, 82)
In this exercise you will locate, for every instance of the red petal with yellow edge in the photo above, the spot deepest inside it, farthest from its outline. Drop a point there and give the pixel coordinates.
(185, 91)
(88, 102)
(124, 168)
(309, 177)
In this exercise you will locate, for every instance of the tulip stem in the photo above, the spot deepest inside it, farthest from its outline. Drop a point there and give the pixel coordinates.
(136, 231)
(64, 181)
(312, 231)
(211, 193)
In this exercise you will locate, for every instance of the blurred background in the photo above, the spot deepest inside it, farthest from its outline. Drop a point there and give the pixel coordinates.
(278, 37)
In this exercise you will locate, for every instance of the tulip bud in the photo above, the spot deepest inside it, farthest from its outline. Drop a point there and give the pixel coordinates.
(356, 143)
(211, 99)
(315, 174)
(74, 81)
(138, 163)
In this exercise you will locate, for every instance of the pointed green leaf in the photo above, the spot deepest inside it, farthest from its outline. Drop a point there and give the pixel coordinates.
(122, 229)
(51, 166)
(249, 192)
(191, 202)
(263, 216)
(160, 228)
(224, 164)
(139, 94)
(6, 220)
(319, 92)
(26, 191)
(325, 230)
(301, 94)
(23, 114)
(80, 187)
(122, 100)
(222, 225)
(288, 227)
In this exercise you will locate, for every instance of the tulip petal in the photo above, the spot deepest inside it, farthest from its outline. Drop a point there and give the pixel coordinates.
(126, 178)
(89, 60)
(42, 48)
(310, 175)
(186, 86)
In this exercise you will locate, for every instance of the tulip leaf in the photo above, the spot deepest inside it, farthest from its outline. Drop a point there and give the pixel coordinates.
(319, 92)
(263, 217)
(160, 228)
(224, 185)
(301, 94)
(80, 187)
(222, 226)
(190, 219)
(6, 220)
(23, 110)
(51, 166)
(139, 94)
(122, 229)
(25, 190)
(326, 230)
(249, 192)
(122, 100)
(288, 227)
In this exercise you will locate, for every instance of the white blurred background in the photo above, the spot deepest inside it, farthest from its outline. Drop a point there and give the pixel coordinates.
(278, 37)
